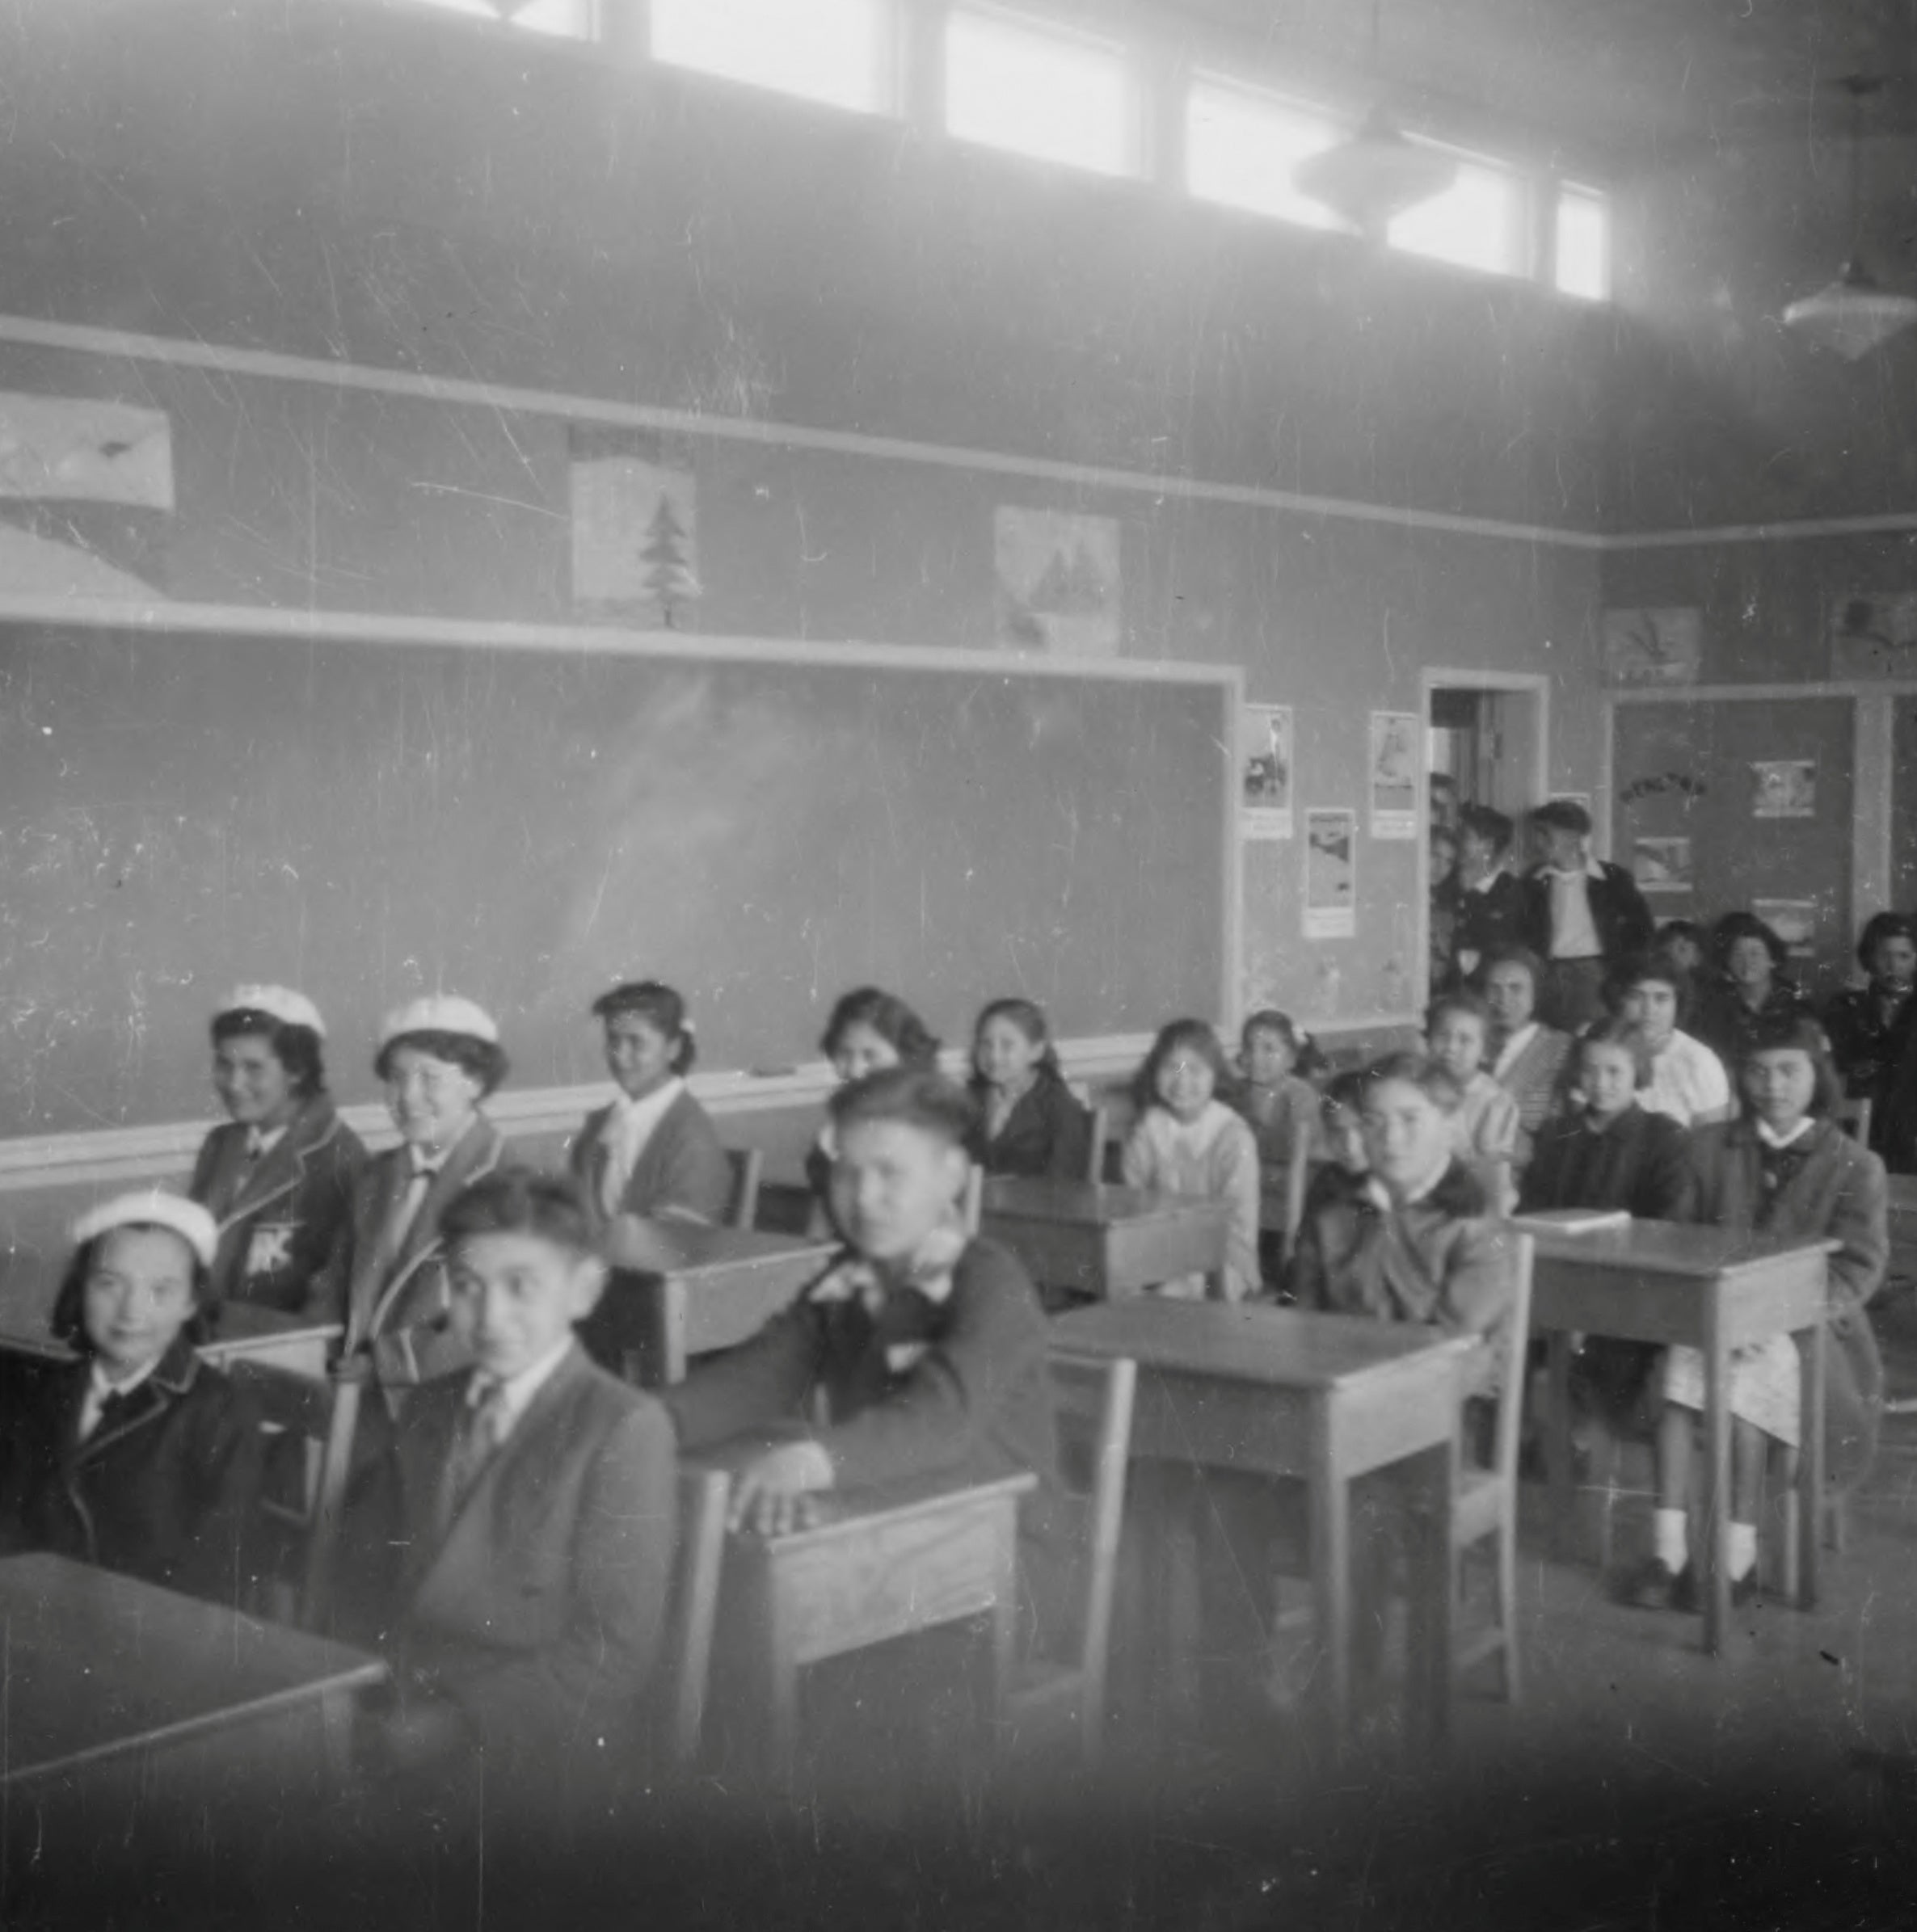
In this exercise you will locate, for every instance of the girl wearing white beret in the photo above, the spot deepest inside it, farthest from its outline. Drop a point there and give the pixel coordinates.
(440, 1057)
(137, 1456)
(278, 1177)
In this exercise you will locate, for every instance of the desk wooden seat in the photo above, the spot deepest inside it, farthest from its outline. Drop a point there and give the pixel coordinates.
(1105, 1241)
(1714, 1289)
(1324, 1398)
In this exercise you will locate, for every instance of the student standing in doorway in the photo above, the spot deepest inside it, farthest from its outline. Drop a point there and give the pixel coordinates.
(1582, 916)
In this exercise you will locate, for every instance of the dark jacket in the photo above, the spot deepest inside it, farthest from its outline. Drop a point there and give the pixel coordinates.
(683, 1168)
(1045, 1138)
(166, 1490)
(1730, 1027)
(1877, 1056)
(1838, 1192)
(1485, 923)
(286, 1219)
(1641, 1162)
(1618, 912)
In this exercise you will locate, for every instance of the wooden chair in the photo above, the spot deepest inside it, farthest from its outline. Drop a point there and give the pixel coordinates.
(1485, 1504)
(1853, 1115)
(685, 1661)
(1095, 1400)
(748, 1166)
(318, 1419)
(1094, 1155)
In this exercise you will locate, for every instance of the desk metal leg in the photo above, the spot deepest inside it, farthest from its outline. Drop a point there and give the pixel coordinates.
(1714, 1552)
(1331, 1574)
(1811, 1344)
(1557, 1443)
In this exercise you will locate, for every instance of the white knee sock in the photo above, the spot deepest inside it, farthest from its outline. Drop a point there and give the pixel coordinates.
(1743, 1551)
(1673, 1550)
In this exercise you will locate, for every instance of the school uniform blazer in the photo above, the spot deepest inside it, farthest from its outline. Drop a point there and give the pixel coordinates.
(285, 1219)
(1838, 1193)
(1641, 1162)
(1045, 1138)
(398, 1315)
(538, 1604)
(1440, 1261)
(1487, 921)
(1619, 915)
(682, 1169)
(1535, 1080)
(165, 1489)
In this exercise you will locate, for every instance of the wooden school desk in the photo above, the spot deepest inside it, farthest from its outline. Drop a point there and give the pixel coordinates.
(683, 1289)
(1324, 1398)
(1715, 1289)
(108, 1678)
(890, 1562)
(1106, 1241)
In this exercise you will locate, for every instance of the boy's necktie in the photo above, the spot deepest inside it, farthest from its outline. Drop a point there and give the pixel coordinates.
(483, 1428)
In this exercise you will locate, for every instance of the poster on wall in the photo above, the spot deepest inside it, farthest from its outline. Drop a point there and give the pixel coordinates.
(1265, 770)
(1395, 737)
(1783, 788)
(1057, 585)
(1330, 874)
(635, 551)
(1656, 647)
(1874, 637)
(1793, 920)
(1662, 864)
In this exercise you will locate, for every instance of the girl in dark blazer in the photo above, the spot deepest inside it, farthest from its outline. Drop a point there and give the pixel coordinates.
(440, 1057)
(137, 1457)
(1872, 1030)
(1785, 1169)
(654, 1152)
(278, 1177)
(1749, 993)
(1028, 1123)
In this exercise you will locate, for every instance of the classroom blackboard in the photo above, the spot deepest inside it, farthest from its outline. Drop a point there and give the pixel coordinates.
(368, 818)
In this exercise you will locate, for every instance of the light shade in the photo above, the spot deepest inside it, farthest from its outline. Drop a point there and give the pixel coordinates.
(1852, 315)
(1375, 174)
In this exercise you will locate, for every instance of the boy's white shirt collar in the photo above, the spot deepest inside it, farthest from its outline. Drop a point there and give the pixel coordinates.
(1771, 1138)
(517, 1392)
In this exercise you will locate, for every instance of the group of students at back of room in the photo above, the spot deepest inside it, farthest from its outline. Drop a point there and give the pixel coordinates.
(514, 1502)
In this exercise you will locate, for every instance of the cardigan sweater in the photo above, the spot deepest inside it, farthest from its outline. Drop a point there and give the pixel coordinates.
(1639, 1163)
(1535, 1080)
(682, 1170)
(1046, 1137)
(1216, 1157)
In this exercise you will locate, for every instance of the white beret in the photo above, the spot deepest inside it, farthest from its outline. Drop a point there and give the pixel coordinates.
(440, 1013)
(290, 1008)
(152, 1207)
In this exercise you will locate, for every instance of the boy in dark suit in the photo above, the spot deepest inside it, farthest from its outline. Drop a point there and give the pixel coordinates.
(535, 1497)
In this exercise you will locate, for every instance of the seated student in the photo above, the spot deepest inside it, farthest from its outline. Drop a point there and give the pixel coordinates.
(1872, 1030)
(1489, 907)
(1484, 1124)
(1686, 943)
(534, 1498)
(1782, 1169)
(1749, 991)
(1526, 1057)
(654, 1152)
(278, 1177)
(1189, 1139)
(440, 1057)
(869, 1029)
(1285, 1114)
(139, 1457)
(928, 1347)
(1687, 1080)
(1029, 1122)
(1611, 1154)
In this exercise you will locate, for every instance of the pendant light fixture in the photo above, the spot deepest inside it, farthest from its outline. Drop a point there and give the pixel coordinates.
(1855, 313)
(1373, 177)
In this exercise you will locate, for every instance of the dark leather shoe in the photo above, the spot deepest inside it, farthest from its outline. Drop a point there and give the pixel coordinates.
(1686, 1596)
(1653, 1586)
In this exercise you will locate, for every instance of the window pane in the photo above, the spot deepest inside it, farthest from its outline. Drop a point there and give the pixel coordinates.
(1241, 147)
(573, 18)
(839, 51)
(1056, 95)
(1583, 244)
(1478, 222)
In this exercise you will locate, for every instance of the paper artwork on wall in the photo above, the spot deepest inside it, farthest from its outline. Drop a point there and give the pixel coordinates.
(1652, 646)
(1058, 583)
(1395, 736)
(77, 449)
(1662, 864)
(1793, 920)
(1330, 874)
(1266, 771)
(1783, 788)
(635, 548)
(1874, 637)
